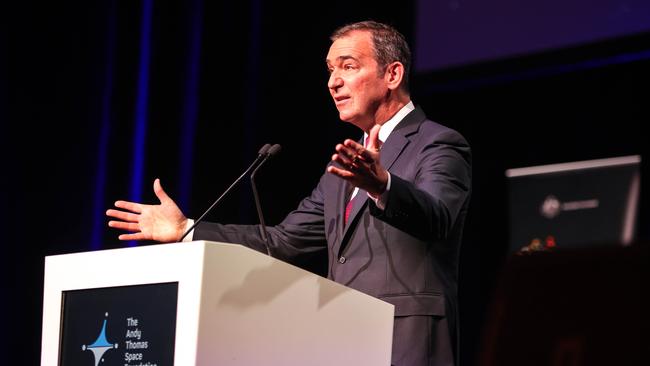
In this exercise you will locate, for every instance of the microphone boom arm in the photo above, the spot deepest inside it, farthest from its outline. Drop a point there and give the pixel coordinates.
(265, 236)
(261, 156)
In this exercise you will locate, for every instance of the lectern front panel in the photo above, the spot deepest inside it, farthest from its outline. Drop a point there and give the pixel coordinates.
(123, 325)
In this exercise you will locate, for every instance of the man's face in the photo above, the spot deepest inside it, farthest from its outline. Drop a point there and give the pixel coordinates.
(355, 83)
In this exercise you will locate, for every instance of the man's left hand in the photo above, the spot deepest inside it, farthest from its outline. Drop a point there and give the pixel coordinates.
(360, 165)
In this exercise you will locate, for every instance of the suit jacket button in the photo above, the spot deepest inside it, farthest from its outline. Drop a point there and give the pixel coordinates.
(342, 260)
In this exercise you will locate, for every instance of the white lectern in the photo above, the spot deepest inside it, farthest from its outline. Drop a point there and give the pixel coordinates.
(234, 306)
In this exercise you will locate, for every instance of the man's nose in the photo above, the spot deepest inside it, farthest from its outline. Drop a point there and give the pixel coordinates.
(334, 81)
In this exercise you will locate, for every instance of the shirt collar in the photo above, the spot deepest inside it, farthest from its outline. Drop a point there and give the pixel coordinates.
(390, 125)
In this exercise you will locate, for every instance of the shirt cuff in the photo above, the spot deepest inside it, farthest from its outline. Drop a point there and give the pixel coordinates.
(380, 201)
(190, 235)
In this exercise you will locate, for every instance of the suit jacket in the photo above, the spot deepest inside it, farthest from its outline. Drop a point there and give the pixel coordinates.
(406, 254)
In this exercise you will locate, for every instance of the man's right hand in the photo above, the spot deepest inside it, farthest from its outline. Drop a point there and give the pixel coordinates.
(164, 222)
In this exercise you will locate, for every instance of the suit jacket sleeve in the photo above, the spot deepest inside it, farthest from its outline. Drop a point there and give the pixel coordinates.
(301, 232)
(428, 202)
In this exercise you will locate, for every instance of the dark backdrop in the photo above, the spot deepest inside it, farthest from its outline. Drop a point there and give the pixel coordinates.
(96, 102)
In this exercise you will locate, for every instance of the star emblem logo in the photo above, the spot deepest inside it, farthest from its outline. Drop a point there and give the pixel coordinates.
(101, 345)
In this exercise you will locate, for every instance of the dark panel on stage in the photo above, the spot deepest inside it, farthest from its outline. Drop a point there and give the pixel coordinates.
(578, 307)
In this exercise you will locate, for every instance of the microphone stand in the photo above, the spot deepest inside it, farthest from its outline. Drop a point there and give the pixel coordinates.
(265, 236)
(261, 155)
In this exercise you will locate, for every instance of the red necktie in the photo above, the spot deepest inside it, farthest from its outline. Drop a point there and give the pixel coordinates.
(348, 209)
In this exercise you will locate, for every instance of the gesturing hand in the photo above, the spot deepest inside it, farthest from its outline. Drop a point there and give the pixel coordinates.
(360, 166)
(164, 222)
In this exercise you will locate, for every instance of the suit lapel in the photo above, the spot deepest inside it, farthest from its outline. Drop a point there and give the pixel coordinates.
(360, 201)
(345, 189)
(391, 149)
(359, 205)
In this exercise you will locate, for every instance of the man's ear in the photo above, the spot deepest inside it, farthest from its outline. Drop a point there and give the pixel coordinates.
(394, 75)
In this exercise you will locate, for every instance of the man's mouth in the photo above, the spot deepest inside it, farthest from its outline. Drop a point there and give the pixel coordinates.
(341, 100)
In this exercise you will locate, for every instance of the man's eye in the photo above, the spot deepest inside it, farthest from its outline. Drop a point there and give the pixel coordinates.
(348, 67)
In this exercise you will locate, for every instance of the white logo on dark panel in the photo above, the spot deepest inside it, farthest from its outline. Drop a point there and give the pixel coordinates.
(550, 207)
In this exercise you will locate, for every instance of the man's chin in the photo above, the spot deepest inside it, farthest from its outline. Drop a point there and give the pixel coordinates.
(352, 122)
(354, 119)
(346, 117)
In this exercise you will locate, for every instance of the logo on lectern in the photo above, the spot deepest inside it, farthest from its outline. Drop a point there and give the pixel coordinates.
(101, 345)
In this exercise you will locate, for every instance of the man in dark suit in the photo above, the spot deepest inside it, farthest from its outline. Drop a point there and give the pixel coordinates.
(389, 211)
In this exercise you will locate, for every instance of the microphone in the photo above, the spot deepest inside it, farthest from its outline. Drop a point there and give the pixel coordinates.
(273, 150)
(262, 155)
